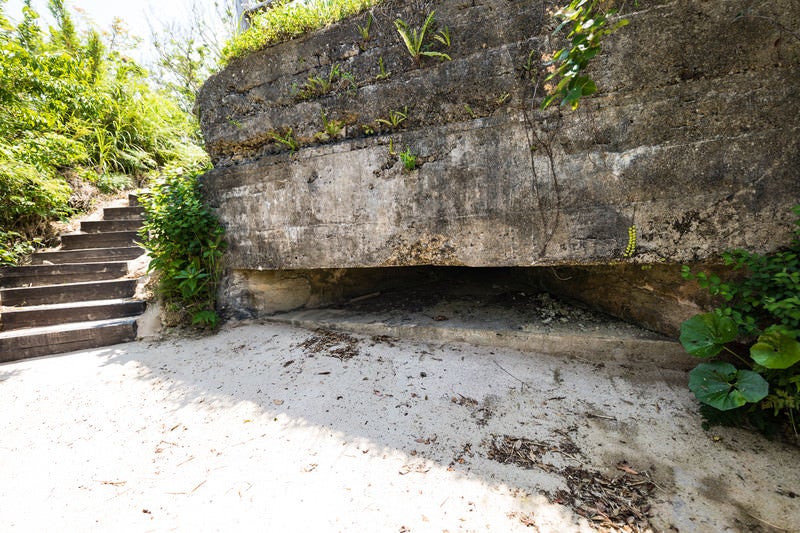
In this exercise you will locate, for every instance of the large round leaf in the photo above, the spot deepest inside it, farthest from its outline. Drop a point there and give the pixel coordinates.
(705, 335)
(721, 385)
(775, 350)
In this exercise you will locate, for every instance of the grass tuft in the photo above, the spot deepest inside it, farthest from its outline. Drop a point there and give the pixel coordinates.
(288, 19)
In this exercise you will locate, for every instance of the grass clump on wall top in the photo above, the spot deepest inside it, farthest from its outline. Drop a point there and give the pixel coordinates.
(287, 19)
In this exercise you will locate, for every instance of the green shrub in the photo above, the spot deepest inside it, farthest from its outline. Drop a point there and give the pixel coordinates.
(113, 183)
(13, 247)
(185, 243)
(29, 197)
(760, 313)
(71, 106)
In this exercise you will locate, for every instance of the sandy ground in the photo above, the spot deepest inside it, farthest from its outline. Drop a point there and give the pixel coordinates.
(267, 427)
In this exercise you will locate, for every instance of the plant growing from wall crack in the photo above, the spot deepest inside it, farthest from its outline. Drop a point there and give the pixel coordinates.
(364, 30)
(331, 127)
(286, 139)
(316, 86)
(414, 39)
(409, 159)
(383, 74)
(396, 118)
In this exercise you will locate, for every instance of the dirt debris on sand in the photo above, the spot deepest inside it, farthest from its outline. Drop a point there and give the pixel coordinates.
(249, 430)
(332, 344)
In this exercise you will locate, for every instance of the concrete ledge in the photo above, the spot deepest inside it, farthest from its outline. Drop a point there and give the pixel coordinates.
(611, 341)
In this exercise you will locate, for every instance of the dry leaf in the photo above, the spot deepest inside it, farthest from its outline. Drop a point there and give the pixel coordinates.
(628, 470)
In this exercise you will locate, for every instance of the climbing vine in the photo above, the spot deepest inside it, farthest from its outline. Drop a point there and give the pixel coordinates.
(588, 24)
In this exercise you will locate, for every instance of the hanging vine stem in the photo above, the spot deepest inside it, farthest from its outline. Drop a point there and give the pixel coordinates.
(748, 13)
(534, 142)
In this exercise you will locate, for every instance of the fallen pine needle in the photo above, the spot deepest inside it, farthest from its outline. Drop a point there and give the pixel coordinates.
(765, 522)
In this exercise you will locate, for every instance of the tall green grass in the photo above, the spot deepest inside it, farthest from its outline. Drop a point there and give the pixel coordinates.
(288, 19)
(74, 108)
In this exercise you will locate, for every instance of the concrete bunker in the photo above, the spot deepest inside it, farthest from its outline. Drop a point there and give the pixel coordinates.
(692, 146)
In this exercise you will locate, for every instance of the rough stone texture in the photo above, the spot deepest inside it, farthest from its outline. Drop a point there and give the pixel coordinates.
(249, 293)
(653, 296)
(693, 138)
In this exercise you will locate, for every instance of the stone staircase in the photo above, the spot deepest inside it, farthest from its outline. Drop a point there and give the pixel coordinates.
(77, 297)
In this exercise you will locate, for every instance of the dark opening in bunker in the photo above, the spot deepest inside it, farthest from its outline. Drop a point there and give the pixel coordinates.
(582, 297)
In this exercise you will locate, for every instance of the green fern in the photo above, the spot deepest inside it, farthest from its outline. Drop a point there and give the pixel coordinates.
(414, 40)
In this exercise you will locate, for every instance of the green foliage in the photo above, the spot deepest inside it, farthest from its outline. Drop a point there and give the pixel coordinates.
(185, 241)
(73, 105)
(112, 183)
(13, 247)
(287, 19)
(409, 159)
(331, 127)
(396, 118)
(443, 36)
(723, 386)
(706, 335)
(364, 30)
(29, 196)
(287, 139)
(414, 39)
(630, 248)
(759, 309)
(775, 350)
(382, 72)
(588, 24)
(767, 293)
(316, 86)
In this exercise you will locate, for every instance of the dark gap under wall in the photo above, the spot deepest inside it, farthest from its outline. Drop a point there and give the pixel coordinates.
(653, 296)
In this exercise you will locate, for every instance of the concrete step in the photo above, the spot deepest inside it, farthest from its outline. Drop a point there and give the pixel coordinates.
(498, 318)
(82, 241)
(123, 213)
(71, 292)
(38, 275)
(102, 226)
(33, 342)
(90, 255)
(12, 318)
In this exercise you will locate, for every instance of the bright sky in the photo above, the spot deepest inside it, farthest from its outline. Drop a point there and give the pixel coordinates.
(135, 13)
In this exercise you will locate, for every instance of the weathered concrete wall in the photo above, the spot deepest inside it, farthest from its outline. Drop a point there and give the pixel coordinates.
(693, 138)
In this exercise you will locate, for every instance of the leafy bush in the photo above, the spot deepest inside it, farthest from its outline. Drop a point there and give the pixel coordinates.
(588, 23)
(287, 19)
(74, 108)
(112, 183)
(13, 247)
(760, 311)
(29, 197)
(185, 242)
